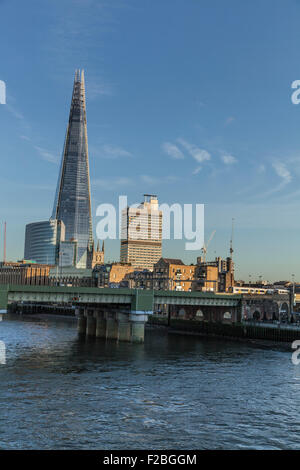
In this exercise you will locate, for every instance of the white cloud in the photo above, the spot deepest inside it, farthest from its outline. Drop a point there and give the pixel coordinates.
(149, 179)
(229, 120)
(153, 180)
(282, 171)
(111, 151)
(46, 155)
(172, 150)
(17, 114)
(285, 176)
(228, 159)
(95, 89)
(196, 171)
(111, 184)
(200, 155)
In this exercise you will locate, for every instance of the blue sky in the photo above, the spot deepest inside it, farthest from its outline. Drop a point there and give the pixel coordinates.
(186, 99)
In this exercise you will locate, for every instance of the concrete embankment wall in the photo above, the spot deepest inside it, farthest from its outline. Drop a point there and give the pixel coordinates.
(273, 333)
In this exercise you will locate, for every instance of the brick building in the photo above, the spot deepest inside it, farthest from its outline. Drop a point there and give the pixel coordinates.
(110, 274)
(173, 274)
(25, 273)
(214, 276)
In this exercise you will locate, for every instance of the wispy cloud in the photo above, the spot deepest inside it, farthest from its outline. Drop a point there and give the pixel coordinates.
(112, 184)
(229, 120)
(110, 151)
(155, 180)
(285, 176)
(261, 168)
(26, 186)
(47, 155)
(282, 171)
(12, 108)
(98, 88)
(15, 112)
(151, 180)
(200, 155)
(228, 159)
(172, 150)
(197, 170)
(83, 29)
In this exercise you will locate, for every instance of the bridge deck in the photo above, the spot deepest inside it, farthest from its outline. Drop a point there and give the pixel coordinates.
(138, 299)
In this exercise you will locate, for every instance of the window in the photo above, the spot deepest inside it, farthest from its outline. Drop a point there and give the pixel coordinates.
(227, 316)
(199, 315)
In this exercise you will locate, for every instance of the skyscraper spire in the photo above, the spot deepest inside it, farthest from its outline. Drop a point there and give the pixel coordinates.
(72, 203)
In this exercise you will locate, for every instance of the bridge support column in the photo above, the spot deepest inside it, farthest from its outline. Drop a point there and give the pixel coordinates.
(81, 322)
(111, 326)
(100, 325)
(124, 327)
(138, 327)
(90, 323)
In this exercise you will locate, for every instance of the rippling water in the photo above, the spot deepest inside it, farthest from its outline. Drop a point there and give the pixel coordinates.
(173, 392)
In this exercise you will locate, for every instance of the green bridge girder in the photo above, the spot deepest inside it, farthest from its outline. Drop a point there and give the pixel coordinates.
(139, 300)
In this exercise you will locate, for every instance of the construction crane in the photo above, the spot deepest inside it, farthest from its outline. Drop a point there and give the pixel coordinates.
(231, 240)
(4, 243)
(205, 245)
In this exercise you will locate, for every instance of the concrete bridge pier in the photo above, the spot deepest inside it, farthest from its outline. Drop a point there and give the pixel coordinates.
(124, 327)
(100, 324)
(112, 324)
(112, 330)
(90, 322)
(81, 322)
(138, 327)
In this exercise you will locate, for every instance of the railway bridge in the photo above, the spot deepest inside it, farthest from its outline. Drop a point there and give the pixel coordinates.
(110, 313)
(121, 314)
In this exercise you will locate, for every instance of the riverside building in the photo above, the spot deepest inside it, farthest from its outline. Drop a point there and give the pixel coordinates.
(141, 234)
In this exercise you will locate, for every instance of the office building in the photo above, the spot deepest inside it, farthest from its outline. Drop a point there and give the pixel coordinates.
(72, 205)
(42, 240)
(141, 237)
(73, 196)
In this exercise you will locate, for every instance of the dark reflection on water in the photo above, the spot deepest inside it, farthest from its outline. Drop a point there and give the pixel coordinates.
(173, 392)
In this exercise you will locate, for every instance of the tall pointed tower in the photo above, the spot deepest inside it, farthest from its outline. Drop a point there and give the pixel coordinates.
(72, 202)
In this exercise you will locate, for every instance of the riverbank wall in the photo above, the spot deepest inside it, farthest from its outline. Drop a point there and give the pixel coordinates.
(270, 332)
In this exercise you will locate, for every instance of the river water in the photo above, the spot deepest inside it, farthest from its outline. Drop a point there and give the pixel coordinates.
(173, 392)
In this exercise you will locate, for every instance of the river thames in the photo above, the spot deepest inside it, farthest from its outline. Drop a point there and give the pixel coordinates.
(173, 392)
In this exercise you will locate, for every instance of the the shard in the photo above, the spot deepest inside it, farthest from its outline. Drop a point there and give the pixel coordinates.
(72, 202)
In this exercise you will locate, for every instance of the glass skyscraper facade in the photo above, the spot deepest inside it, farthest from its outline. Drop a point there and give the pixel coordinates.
(73, 196)
(42, 241)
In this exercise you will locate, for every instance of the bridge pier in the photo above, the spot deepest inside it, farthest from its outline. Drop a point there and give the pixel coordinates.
(111, 326)
(90, 323)
(138, 327)
(124, 327)
(100, 324)
(81, 322)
